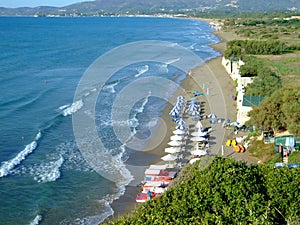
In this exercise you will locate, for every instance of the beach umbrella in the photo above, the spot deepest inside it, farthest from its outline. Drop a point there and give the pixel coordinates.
(180, 127)
(199, 125)
(176, 138)
(235, 124)
(196, 118)
(173, 150)
(180, 122)
(197, 139)
(193, 107)
(175, 143)
(169, 157)
(194, 113)
(212, 116)
(198, 152)
(179, 132)
(174, 113)
(199, 134)
(180, 97)
(194, 160)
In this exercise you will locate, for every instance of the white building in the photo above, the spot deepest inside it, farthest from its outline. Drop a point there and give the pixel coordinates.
(233, 69)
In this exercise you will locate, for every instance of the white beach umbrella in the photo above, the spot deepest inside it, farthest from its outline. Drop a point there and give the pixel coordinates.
(175, 143)
(173, 150)
(198, 152)
(199, 125)
(179, 132)
(198, 134)
(176, 138)
(235, 124)
(197, 139)
(169, 157)
(194, 160)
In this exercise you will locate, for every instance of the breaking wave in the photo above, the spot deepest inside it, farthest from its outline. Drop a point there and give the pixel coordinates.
(8, 166)
(36, 220)
(141, 70)
(70, 109)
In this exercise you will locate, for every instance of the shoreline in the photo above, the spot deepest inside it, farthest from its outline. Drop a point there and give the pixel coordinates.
(219, 101)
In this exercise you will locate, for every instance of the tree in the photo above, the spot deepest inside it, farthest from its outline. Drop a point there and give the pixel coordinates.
(280, 111)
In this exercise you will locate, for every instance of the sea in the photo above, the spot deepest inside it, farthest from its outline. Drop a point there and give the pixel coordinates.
(50, 174)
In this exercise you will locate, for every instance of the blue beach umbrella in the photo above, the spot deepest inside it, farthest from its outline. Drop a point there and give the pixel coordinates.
(212, 116)
(180, 127)
(196, 118)
(194, 113)
(180, 122)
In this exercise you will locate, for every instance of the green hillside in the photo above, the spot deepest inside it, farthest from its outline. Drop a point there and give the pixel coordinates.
(226, 192)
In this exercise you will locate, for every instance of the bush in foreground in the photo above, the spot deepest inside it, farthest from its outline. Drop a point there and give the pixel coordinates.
(226, 192)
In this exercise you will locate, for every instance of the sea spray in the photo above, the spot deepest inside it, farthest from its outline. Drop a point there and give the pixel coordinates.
(36, 220)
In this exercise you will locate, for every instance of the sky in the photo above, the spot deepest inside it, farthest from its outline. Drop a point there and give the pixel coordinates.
(34, 3)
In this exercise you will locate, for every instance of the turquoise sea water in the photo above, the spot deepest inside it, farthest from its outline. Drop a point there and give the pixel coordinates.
(44, 179)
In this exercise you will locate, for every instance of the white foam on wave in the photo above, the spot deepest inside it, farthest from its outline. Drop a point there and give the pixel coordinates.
(73, 108)
(73, 160)
(48, 171)
(8, 166)
(192, 47)
(172, 61)
(64, 106)
(95, 219)
(36, 220)
(134, 122)
(141, 70)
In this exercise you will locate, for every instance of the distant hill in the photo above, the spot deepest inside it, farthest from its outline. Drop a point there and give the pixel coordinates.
(158, 6)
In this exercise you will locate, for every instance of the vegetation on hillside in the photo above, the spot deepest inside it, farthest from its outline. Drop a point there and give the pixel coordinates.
(226, 192)
(280, 111)
(276, 78)
(255, 47)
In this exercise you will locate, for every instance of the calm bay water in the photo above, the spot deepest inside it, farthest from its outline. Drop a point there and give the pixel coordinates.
(43, 177)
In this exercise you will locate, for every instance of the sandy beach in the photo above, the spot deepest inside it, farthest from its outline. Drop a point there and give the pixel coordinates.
(211, 78)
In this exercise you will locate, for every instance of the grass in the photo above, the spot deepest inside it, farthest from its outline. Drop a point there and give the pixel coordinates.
(287, 67)
(294, 157)
(264, 152)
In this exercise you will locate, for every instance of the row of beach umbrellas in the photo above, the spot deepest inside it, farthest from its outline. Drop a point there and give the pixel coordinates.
(177, 139)
(178, 107)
